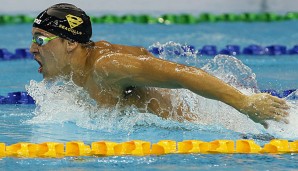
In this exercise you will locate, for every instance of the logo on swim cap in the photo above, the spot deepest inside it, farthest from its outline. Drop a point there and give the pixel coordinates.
(37, 21)
(74, 21)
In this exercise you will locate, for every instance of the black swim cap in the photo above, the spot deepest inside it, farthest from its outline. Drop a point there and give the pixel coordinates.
(66, 21)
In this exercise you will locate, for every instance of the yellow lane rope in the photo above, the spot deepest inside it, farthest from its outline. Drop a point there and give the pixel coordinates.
(144, 148)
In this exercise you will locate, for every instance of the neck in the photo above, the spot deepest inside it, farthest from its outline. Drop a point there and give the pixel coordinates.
(79, 65)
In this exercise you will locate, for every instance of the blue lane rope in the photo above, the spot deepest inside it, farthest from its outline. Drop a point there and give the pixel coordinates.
(209, 50)
(25, 98)
(20, 53)
(17, 98)
(254, 50)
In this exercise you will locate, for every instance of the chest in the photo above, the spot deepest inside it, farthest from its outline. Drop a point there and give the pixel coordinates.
(109, 95)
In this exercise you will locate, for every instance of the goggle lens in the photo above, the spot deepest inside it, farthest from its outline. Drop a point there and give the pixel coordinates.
(42, 40)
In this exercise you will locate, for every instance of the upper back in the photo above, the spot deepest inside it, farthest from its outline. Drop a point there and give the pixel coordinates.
(104, 47)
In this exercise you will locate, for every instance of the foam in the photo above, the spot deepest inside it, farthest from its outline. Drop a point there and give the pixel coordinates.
(286, 131)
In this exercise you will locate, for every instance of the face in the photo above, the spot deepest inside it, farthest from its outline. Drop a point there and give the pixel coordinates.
(50, 52)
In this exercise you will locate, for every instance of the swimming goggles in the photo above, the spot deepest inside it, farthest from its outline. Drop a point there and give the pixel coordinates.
(42, 40)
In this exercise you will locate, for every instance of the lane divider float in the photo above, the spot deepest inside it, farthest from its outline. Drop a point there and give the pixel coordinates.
(169, 18)
(17, 98)
(144, 148)
(234, 50)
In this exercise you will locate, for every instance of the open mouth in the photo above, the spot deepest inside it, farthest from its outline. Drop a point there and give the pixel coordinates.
(40, 66)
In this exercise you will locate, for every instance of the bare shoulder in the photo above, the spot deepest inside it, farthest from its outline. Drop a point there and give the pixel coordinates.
(127, 65)
(103, 45)
(123, 49)
(127, 61)
(110, 55)
(134, 50)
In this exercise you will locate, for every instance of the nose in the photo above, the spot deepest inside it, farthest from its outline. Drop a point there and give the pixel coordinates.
(33, 48)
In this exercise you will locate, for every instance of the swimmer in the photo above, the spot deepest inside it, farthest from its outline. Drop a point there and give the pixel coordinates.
(125, 76)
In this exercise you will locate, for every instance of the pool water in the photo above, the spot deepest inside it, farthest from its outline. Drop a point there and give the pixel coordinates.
(84, 121)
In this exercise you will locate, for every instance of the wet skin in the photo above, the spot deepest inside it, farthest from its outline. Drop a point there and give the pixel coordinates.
(124, 76)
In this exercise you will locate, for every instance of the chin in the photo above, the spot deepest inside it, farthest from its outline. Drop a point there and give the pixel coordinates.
(47, 76)
(52, 77)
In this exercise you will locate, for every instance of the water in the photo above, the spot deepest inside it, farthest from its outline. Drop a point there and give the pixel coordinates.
(169, 162)
(82, 120)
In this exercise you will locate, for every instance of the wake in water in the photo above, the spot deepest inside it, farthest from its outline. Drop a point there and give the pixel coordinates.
(63, 101)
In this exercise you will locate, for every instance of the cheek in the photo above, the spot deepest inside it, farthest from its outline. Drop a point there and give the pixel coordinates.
(54, 54)
(53, 57)
(58, 50)
(59, 59)
(49, 61)
(47, 56)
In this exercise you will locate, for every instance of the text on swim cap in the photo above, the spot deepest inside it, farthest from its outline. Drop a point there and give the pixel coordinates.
(37, 21)
(70, 30)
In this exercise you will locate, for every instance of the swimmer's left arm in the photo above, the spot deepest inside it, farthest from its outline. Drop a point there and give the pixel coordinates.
(130, 70)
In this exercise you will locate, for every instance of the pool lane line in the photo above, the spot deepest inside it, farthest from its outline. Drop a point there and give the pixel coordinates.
(183, 18)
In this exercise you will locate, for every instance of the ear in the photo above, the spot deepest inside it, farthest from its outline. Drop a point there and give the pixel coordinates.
(71, 46)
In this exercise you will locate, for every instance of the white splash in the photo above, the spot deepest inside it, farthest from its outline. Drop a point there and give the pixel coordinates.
(62, 101)
(232, 71)
(287, 131)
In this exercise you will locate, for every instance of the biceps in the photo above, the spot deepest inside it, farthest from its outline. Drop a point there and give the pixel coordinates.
(117, 68)
(136, 71)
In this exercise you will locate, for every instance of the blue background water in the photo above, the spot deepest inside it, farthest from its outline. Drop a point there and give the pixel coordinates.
(272, 72)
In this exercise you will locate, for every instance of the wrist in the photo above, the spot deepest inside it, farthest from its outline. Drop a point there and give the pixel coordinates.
(241, 103)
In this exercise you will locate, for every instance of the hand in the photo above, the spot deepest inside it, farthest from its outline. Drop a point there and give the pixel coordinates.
(262, 106)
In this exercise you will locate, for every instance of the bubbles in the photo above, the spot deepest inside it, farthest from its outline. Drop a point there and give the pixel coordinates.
(293, 96)
(173, 51)
(212, 112)
(59, 101)
(227, 68)
(232, 71)
(287, 131)
(62, 101)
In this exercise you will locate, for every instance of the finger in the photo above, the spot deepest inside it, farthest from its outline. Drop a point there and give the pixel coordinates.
(277, 118)
(265, 124)
(280, 101)
(281, 119)
(281, 106)
(286, 121)
(279, 112)
(282, 113)
(285, 107)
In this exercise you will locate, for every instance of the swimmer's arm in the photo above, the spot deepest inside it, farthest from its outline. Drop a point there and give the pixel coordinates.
(129, 70)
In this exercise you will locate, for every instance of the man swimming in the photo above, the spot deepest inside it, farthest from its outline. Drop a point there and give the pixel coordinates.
(125, 76)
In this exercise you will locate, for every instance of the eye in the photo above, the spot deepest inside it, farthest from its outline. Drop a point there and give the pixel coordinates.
(39, 40)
